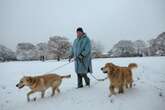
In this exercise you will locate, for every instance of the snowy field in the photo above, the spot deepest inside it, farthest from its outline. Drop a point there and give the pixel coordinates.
(147, 94)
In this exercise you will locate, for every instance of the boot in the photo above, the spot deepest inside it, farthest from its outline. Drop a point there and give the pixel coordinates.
(79, 80)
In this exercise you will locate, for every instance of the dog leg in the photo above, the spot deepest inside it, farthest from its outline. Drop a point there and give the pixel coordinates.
(58, 90)
(126, 85)
(42, 94)
(130, 85)
(111, 88)
(121, 90)
(28, 94)
(53, 91)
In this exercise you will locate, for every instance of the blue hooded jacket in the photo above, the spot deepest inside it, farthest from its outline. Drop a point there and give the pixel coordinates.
(81, 51)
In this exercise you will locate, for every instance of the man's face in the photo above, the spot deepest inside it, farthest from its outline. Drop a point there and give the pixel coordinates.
(79, 34)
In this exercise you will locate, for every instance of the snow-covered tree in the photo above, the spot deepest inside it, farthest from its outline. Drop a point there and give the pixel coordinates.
(58, 47)
(26, 51)
(123, 48)
(42, 50)
(157, 45)
(6, 54)
(140, 47)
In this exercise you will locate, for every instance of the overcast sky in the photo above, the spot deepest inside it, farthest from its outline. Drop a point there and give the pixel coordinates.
(106, 21)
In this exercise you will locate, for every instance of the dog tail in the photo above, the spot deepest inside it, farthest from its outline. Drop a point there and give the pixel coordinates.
(66, 76)
(132, 65)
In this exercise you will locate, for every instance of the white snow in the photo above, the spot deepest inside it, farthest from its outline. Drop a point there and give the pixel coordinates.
(144, 96)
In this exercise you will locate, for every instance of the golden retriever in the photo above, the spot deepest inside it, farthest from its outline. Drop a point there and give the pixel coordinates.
(41, 83)
(119, 76)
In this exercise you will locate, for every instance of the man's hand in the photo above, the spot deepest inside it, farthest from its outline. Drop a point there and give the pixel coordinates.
(70, 58)
(80, 57)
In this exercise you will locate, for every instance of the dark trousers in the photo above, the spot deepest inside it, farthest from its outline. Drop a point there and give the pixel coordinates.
(80, 82)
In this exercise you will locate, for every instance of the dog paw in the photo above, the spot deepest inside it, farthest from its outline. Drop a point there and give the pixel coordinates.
(34, 99)
(28, 100)
(112, 100)
(134, 85)
(110, 95)
(160, 94)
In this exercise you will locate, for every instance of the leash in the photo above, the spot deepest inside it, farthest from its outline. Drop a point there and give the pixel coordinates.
(59, 67)
(98, 79)
(95, 76)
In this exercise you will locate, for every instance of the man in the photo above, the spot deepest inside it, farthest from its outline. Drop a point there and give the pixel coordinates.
(81, 52)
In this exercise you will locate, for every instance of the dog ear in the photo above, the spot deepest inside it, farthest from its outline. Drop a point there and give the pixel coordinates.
(29, 79)
(111, 68)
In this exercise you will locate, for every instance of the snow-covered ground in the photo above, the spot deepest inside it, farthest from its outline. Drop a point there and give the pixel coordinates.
(148, 93)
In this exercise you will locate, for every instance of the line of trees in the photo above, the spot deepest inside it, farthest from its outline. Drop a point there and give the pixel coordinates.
(127, 48)
(58, 48)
